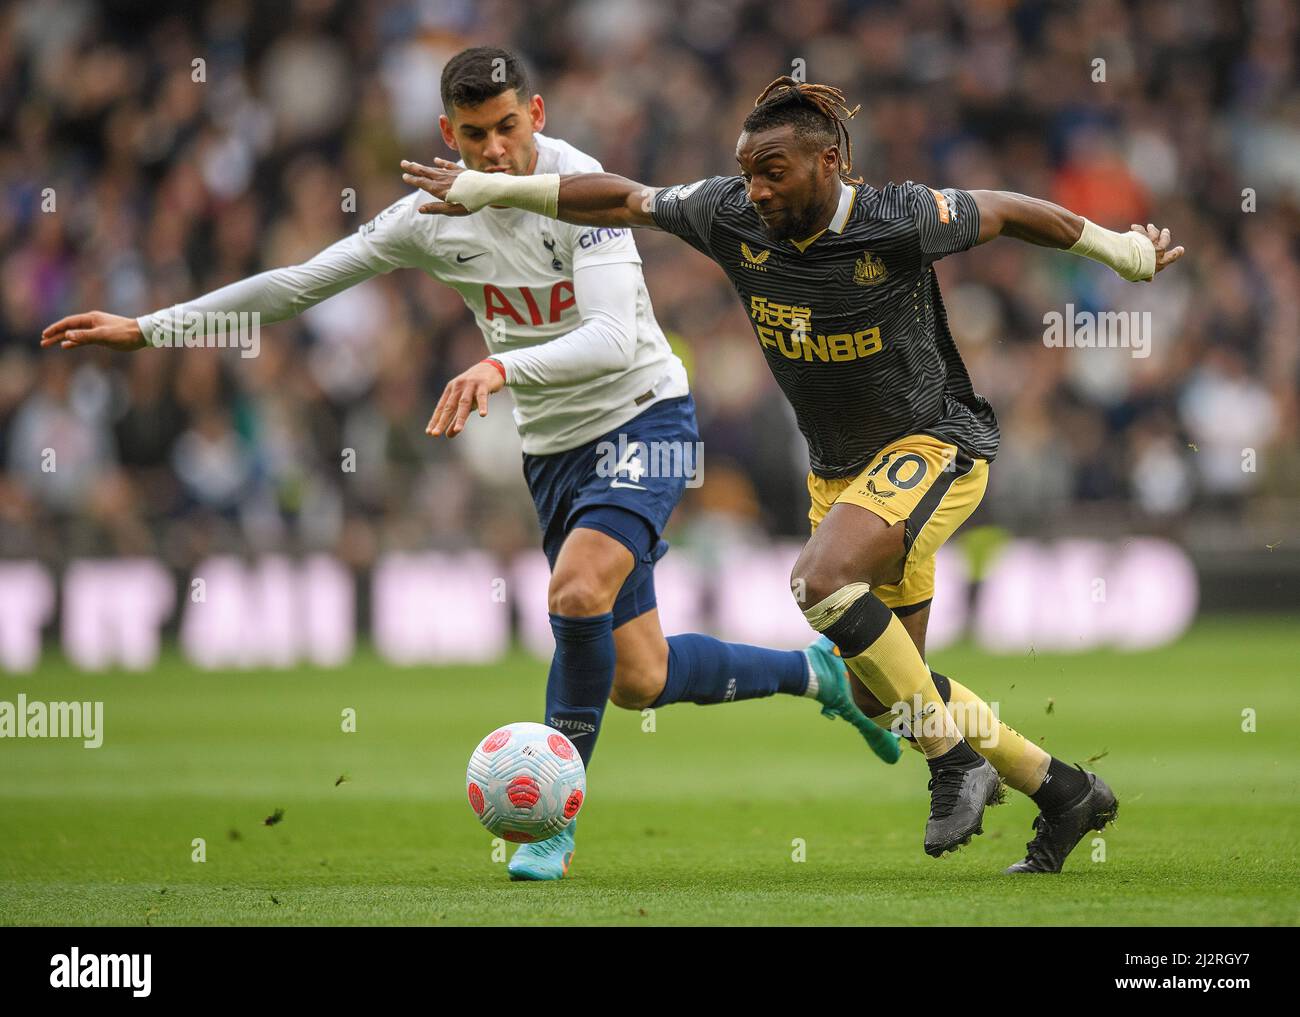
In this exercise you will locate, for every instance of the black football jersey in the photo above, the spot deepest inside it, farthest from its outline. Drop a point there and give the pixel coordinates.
(853, 326)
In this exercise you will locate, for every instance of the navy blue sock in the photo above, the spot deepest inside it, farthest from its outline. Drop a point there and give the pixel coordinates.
(582, 673)
(702, 669)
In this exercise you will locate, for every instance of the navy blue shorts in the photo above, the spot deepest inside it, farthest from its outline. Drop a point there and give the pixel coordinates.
(640, 468)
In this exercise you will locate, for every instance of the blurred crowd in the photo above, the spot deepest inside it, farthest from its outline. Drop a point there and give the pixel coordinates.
(151, 154)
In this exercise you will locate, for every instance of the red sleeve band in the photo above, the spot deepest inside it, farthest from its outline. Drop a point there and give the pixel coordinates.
(497, 364)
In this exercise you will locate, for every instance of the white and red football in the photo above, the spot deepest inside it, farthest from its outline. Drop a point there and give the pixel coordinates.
(525, 782)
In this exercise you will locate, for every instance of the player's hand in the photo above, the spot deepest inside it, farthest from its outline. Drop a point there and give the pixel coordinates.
(1165, 256)
(436, 180)
(463, 393)
(94, 328)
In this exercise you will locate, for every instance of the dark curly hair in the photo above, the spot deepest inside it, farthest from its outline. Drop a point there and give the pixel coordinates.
(818, 114)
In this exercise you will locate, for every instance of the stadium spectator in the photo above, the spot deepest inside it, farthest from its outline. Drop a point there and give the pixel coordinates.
(130, 179)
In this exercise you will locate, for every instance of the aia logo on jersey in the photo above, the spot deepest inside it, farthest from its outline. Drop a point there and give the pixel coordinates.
(497, 305)
(758, 262)
(869, 270)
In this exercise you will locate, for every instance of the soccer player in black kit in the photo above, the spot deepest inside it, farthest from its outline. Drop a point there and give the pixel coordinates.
(837, 279)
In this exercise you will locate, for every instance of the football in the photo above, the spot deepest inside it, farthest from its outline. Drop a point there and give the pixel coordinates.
(525, 782)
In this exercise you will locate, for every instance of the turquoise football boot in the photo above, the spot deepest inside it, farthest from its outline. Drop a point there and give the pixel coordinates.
(544, 859)
(836, 697)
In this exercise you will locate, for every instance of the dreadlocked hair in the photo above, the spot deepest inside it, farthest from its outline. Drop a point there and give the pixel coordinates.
(818, 113)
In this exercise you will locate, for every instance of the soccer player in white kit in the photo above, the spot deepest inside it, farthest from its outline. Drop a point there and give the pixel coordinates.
(570, 330)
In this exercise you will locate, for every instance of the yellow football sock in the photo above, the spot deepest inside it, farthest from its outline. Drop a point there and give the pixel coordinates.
(875, 647)
(1021, 763)
(893, 670)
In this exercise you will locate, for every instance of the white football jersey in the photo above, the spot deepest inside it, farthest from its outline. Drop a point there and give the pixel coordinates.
(514, 270)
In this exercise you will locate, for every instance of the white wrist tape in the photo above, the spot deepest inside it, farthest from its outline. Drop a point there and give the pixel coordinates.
(1131, 255)
(539, 193)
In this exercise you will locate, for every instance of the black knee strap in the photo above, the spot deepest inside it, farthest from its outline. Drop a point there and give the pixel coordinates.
(860, 625)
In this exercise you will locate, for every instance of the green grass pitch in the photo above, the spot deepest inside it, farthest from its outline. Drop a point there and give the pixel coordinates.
(694, 823)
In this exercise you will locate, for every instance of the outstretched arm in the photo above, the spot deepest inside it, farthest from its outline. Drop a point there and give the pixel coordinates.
(604, 199)
(275, 295)
(380, 246)
(1136, 255)
(585, 199)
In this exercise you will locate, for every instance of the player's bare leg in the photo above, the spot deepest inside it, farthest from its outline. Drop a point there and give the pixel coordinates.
(588, 574)
(852, 550)
(640, 662)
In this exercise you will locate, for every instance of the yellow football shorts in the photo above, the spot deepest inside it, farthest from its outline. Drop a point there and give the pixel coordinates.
(922, 482)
